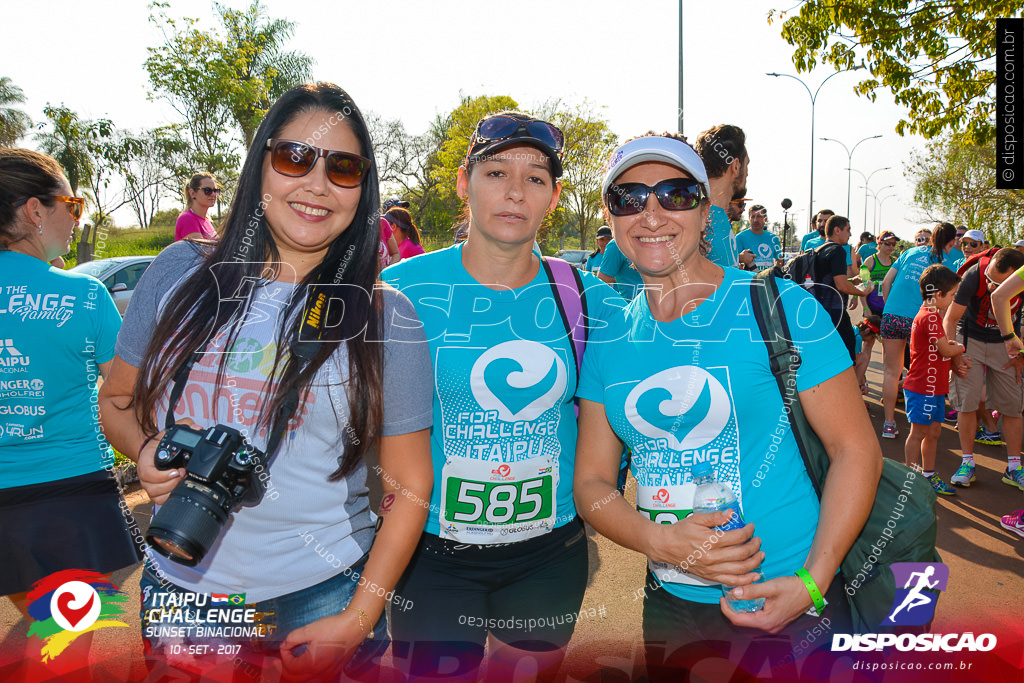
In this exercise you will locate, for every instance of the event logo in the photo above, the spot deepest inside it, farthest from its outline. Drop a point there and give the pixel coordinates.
(914, 604)
(661, 496)
(518, 379)
(764, 250)
(684, 405)
(69, 603)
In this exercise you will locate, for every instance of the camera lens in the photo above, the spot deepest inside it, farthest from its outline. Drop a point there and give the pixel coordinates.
(187, 525)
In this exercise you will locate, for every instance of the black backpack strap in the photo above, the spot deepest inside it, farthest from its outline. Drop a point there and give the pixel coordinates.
(784, 360)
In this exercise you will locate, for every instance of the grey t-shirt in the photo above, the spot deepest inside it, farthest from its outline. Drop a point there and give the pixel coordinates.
(306, 529)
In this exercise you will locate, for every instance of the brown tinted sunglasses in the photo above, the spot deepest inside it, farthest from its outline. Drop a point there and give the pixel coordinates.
(76, 205)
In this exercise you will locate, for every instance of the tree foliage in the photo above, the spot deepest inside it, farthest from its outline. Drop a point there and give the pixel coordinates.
(955, 181)
(70, 140)
(937, 58)
(14, 123)
(222, 81)
(588, 143)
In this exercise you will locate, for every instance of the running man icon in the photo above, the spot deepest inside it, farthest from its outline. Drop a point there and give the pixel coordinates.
(916, 601)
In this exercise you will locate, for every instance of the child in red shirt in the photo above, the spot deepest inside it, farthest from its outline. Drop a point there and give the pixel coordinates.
(927, 382)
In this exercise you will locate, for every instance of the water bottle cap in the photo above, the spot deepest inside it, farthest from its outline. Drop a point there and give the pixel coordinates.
(701, 468)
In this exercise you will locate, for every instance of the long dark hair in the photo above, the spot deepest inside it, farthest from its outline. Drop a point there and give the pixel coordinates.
(195, 312)
(943, 234)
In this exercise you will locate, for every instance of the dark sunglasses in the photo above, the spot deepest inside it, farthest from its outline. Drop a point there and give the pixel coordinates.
(675, 194)
(76, 205)
(972, 245)
(502, 127)
(923, 240)
(891, 244)
(211, 191)
(296, 159)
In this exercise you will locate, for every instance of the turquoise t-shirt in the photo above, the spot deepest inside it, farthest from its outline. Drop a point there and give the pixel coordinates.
(813, 243)
(806, 239)
(905, 294)
(615, 264)
(866, 250)
(593, 262)
(723, 241)
(766, 247)
(955, 256)
(57, 328)
(503, 440)
(701, 388)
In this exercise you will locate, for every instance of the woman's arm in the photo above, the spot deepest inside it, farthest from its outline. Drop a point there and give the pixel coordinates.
(124, 432)
(393, 255)
(1001, 298)
(733, 555)
(407, 477)
(833, 411)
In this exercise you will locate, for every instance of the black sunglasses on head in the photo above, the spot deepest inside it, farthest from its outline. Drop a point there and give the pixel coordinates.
(674, 194)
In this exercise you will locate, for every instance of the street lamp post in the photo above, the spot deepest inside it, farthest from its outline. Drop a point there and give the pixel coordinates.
(867, 180)
(881, 203)
(680, 66)
(874, 195)
(849, 164)
(814, 98)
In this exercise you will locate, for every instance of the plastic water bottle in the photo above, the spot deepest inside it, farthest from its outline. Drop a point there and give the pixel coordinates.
(713, 495)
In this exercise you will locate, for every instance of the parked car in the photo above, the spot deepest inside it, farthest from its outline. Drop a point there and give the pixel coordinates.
(119, 275)
(576, 257)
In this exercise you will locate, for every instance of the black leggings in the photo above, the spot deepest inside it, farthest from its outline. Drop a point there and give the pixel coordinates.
(526, 594)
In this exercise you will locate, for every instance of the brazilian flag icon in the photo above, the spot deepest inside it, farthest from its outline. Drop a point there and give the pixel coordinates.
(237, 599)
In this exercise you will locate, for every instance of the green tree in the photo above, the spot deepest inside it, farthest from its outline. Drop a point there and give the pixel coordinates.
(223, 80)
(588, 143)
(453, 133)
(955, 181)
(68, 139)
(258, 68)
(935, 57)
(14, 123)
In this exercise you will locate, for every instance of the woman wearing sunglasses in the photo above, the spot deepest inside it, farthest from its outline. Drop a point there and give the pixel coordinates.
(277, 331)
(59, 504)
(901, 289)
(201, 193)
(684, 377)
(504, 552)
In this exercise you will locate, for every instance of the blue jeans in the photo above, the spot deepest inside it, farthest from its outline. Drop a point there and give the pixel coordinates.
(197, 644)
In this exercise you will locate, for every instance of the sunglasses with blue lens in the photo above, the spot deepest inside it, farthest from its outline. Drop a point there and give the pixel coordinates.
(674, 194)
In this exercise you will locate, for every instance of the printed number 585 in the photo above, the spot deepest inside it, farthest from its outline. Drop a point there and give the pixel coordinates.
(499, 503)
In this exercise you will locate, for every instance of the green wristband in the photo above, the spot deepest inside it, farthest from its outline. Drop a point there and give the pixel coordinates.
(812, 588)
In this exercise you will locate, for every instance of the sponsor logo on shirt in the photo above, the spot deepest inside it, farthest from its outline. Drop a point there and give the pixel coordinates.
(25, 411)
(11, 359)
(20, 431)
(21, 388)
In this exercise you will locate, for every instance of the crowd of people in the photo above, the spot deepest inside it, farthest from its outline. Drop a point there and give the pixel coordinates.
(495, 394)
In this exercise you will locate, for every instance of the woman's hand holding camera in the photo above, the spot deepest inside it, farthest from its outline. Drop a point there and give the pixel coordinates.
(158, 484)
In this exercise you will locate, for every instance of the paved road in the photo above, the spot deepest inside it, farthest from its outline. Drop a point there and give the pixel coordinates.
(985, 562)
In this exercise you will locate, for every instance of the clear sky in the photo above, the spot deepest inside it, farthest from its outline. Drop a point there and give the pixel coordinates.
(410, 60)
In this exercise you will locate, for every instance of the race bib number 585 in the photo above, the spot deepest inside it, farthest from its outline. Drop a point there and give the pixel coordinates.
(487, 502)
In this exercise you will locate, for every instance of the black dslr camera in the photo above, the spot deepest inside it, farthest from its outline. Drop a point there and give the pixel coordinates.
(223, 475)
